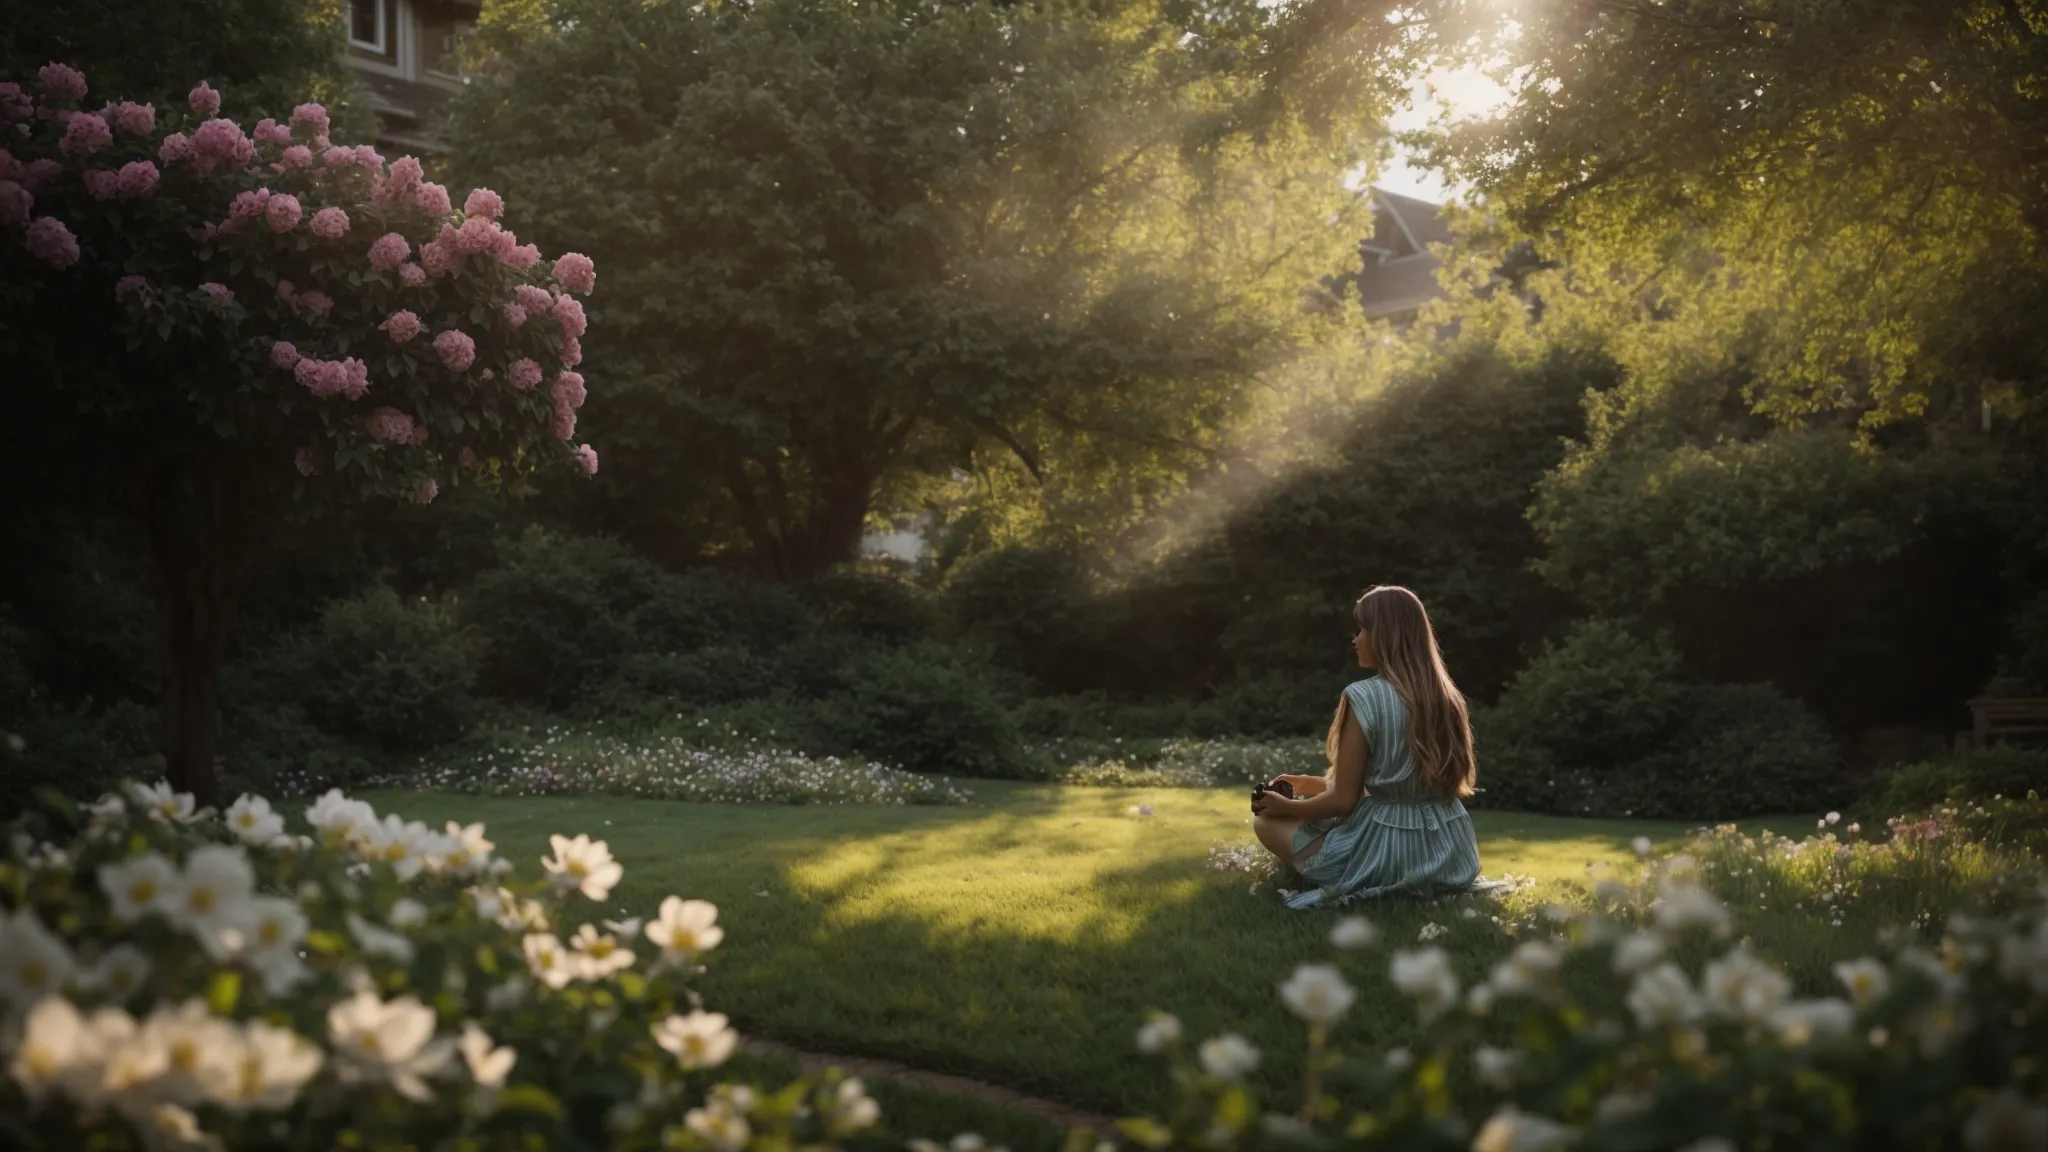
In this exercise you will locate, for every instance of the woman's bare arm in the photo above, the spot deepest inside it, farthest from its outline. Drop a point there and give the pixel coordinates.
(1347, 778)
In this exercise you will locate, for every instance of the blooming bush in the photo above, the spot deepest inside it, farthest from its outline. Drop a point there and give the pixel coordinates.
(739, 770)
(1913, 1047)
(301, 270)
(1179, 763)
(181, 981)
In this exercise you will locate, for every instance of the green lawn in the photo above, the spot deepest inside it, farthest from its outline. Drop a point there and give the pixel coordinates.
(1021, 939)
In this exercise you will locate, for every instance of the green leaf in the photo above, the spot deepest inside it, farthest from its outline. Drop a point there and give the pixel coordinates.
(531, 1098)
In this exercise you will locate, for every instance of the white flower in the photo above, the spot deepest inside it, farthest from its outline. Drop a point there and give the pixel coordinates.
(163, 804)
(851, 1105)
(407, 912)
(405, 845)
(1621, 1105)
(488, 1065)
(1317, 993)
(170, 1126)
(717, 1127)
(1528, 969)
(582, 865)
(1638, 951)
(118, 973)
(33, 962)
(252, 821)
(388, 1040)
(340, 819)
(1228, 1057)
(546, 960)
(145, 885)
(1663, 996)
(1430, 932)
(1865, 979)
(1159, 1033)
(54, 1046)
(1742, 986)
(213, 893)
(108, 807)
(597, 954)
(379, 942)
(1833, 818)
(684, 928)
(275, 1064)
(201, 1053)
(130, 1055)
(1641, 844)
(1399, 1059)
(2006, 1122)
(508, 995)
(1479, 1001)
(699, 1040)
(1426, 976)
(1680, 906)
(464, 851)
(1495, 1067)
(1510, 1130)
(1800, 1022)
(1353, 933)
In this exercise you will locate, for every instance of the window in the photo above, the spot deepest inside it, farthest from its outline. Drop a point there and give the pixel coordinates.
(367, 27)
(442, 27)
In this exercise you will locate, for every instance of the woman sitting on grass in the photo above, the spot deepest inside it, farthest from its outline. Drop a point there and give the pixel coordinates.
(1385, 817)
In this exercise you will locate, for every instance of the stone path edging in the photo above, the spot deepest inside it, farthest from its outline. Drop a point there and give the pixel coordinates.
(1059, 1115)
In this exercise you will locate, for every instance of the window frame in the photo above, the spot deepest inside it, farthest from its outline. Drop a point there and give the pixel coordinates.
(382, 45)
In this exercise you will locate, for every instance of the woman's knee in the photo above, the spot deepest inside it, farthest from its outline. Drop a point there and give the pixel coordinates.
(1277, 835)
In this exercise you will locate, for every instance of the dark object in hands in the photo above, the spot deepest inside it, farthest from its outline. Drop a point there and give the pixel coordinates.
(1280, 786)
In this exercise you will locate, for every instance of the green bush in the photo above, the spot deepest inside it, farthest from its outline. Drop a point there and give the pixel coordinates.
(919, 708)
(1970, 776)
(2023, 670)
(375, 670)
(276, 749)
(1603, 723)
(555, 615)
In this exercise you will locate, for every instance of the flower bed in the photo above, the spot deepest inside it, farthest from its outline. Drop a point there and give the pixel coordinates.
(561, 762)
(1178, 763)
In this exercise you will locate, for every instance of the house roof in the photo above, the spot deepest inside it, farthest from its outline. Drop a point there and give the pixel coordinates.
(1399, 272)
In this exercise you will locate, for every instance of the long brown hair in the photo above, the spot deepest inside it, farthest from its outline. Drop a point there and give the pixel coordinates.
(1439, 727)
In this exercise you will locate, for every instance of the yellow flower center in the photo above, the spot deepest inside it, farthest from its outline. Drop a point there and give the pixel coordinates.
(394, 851)
(372, 1045)
(602, 947)
(246, 819)
(42, 1063)
(546, 959)
(458, 859)
(684, 940)
(33, 973)
(577, 868)
(270, 932)
(694, 1045)
(201, 899)
(142, 891)
(184, 1055)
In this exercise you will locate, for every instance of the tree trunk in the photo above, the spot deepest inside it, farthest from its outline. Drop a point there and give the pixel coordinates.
(200, 537)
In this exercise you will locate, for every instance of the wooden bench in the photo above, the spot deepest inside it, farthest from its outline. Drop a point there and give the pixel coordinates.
(1994, 717)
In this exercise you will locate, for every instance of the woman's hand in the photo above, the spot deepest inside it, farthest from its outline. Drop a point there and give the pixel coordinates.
(1273, 804)
(1306, 785)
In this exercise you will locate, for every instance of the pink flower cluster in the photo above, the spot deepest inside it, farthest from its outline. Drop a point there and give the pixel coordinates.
(50, 241)
(204, 99)
(313, 116)
(330, 223)
(127, 286)
(84, 135)
(350, 377)
(269, 131)
(457, 350)
(586, 459)
(568, 394)
(485, 203)
(576, 272)
(62, 82)
(16, 204)
(389, 251)
(219, 293)
(282, 211)
(401, 326)
(305, 462)
(311, 300)
(132, 119)
(523, 374)
(390, 425)
(219, 146)
(136, 178)
(15, 104)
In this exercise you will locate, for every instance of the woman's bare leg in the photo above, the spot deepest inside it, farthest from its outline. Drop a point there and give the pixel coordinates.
(1277, 834)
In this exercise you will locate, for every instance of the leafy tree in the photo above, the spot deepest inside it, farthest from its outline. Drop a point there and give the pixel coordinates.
(227, 327)
(849, 246)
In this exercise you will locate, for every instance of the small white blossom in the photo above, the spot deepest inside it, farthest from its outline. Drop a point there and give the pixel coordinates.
(407, 912)
(1159, 1033)
(275, 1064)
(1680, 906)
(118, 973)
(699, 1040)
(546, 959)
(1353, 933)
(1317, 993)
(1801, 1022)
(488, 1065)
(685, 928)
(53, 1047)
(1495, 1067)
(582, 865)
(1529, 969)
(163, 803)
(388, 1040)
(379, 942)
(1510, 1130)
(139, 886)
(596, 955)
(1745, 987)
(1641, 844)
(1228, 1057)
(213, 893)
(1865, 979)
(1637, 951)
(251, 820)
(201, 1053)
(1430, 932)
(1425, 975)
(851, 1105)
(1399, 1059)
(1663, 996)
(33, 962)
(722, 1129)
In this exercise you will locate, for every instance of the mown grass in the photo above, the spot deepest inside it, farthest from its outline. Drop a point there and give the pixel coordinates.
(1023, 939)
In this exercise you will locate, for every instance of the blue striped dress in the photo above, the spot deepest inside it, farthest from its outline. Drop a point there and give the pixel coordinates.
(1398, 839)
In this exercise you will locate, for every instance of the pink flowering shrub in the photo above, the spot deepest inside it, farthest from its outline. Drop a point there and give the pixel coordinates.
(270, 281)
